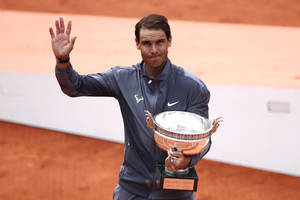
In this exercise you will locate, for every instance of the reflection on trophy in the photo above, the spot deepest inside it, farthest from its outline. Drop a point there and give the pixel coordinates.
(186, 131)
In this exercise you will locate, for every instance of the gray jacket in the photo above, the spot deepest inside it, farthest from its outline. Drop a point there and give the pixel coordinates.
(175, 89)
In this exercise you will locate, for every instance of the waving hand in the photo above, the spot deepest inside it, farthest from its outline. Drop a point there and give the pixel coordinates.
(62, 45)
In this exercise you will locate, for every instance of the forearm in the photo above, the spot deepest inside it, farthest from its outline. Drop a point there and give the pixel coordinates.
(196, 158)
(200, 97)
(67, 78)
(74, 84)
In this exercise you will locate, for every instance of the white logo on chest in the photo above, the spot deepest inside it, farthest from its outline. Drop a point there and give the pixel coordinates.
(138, 99)
(172, 104)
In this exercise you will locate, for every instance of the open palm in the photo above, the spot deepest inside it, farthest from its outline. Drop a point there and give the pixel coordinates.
(62, 45)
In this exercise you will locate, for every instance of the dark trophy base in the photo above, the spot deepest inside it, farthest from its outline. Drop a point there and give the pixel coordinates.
(175, 181)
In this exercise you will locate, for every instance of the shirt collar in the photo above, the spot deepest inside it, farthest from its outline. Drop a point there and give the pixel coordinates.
(164, 74)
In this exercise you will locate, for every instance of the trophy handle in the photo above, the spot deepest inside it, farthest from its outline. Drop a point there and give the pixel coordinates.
(149, 120)
(216, 124)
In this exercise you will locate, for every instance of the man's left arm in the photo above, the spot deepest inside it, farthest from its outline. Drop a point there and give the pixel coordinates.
(198, 100)
(198, 103)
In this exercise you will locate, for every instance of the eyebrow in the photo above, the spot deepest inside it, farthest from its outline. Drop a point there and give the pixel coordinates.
(159, 40)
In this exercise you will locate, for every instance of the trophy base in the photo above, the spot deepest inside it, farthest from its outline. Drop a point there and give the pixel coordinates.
(178, 181)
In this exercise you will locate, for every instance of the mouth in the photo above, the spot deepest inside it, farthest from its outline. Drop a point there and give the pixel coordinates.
(155, 57)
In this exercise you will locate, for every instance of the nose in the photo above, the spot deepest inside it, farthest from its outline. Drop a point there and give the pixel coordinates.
(153, 49)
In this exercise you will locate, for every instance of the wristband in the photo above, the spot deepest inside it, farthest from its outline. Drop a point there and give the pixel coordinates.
(63, 60)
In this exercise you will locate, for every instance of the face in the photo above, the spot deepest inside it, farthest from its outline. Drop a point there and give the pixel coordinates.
(154, 46)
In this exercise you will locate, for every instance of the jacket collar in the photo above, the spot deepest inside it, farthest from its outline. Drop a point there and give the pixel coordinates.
(163, 76)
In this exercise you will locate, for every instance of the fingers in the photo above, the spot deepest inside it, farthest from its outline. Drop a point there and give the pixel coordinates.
(60, 29)
(69, 27)
(73, 40)
(61, 42)
(51, 33)
(57, 27)
(62, 25)
(176, 153)
(176, 159)
(171, 161)
(170, 164)
(174, 163)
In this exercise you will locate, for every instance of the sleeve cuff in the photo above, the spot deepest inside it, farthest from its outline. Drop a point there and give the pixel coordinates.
(65, 69)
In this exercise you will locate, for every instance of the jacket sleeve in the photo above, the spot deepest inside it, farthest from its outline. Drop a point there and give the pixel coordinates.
(198, 103)
(74, 84)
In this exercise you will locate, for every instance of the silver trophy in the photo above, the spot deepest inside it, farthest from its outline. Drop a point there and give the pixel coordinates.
(186, 131)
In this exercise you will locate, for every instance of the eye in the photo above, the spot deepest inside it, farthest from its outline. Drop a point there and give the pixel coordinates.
(160, 41)
(146, 43)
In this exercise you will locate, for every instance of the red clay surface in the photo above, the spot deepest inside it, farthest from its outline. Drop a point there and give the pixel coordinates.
(41, 164)
(49, 165)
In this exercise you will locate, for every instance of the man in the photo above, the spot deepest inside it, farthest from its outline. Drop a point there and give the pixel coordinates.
(156, 85)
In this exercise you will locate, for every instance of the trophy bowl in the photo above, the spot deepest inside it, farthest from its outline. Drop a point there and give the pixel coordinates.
(186, 131)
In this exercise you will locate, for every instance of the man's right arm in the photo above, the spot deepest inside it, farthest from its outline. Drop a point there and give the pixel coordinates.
(69, 80)
(74, 84)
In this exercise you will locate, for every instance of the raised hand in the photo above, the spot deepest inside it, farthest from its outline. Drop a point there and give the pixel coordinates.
(62, 45)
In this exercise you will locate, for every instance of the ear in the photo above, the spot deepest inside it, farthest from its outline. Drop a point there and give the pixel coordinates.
(137, 43)
(170, 41)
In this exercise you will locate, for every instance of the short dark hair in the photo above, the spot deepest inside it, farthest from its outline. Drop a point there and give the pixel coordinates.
(153, 21)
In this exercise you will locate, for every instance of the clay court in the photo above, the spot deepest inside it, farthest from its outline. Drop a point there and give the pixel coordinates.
(45, 164)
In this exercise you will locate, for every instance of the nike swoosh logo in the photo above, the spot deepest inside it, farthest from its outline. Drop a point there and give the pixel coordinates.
(172, 104)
